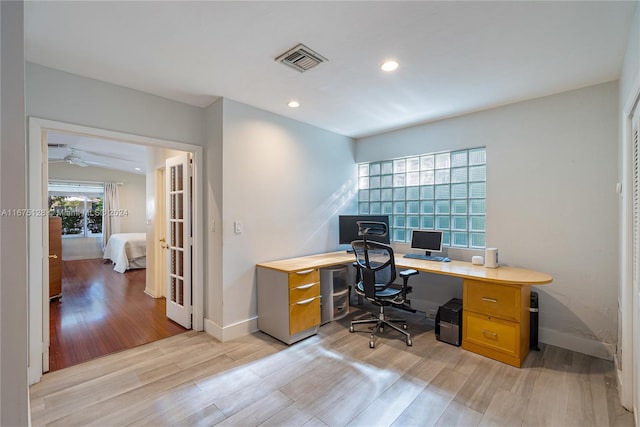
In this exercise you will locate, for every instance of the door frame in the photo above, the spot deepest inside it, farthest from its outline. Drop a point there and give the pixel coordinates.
(629, 304)
(38, 228)
(157, 288)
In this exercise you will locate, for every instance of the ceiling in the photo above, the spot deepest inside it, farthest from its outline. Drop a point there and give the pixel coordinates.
(83, 151)
(455, 57)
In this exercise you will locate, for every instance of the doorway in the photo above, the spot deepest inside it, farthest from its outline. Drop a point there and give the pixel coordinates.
(39, 338)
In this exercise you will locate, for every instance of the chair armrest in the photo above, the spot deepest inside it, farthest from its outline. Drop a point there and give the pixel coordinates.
(405, 274)
(408, 273)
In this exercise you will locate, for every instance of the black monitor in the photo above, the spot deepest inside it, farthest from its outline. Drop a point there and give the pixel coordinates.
(348, 228)
(430, 240)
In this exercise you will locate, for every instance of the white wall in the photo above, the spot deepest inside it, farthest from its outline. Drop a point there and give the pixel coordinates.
(551, 201)
(13, 229)
(213, 294)
(65, 97)
(286, 182)
(628, 332)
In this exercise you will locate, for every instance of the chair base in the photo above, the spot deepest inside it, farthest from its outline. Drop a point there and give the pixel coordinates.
(379, 323)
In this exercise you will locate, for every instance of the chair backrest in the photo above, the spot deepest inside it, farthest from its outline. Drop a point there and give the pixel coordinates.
(375, 260)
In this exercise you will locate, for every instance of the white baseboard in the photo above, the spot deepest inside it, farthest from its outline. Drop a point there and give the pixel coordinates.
(148, 292)
(575, 343)
(230, 332)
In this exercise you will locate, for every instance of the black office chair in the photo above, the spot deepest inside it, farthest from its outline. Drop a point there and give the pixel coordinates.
(377, 272)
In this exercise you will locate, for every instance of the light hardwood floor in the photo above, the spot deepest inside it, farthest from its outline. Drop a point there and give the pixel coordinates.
(332, 379)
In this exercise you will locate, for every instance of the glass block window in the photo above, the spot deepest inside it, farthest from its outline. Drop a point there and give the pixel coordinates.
(442, 191)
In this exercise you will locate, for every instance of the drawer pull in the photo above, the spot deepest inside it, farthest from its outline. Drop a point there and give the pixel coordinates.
(490, 334)
(303, 272)
(306, 301)
(489, 299)
(305, 286)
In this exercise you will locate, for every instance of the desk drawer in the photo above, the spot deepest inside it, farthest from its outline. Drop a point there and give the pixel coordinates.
(303, 277)
(491, 333)
(303, 292)
(304, 314)
(494, 300)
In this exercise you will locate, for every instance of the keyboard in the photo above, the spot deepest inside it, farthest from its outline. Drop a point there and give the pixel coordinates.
(427, 258)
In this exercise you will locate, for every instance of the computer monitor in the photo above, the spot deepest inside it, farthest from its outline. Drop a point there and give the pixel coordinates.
(430, 240)
(348, 228)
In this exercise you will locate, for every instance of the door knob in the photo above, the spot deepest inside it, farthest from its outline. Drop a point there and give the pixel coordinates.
(53, 256)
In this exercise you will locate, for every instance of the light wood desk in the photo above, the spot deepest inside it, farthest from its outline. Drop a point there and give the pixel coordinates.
(495, 301)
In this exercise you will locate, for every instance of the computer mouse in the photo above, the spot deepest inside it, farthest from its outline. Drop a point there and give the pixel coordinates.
(446, 260)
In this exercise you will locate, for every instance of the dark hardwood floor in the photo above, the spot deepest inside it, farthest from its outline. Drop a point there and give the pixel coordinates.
(103, 312)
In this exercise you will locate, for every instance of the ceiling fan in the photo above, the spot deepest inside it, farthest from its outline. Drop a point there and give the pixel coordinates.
(72, 159)
(78, 157)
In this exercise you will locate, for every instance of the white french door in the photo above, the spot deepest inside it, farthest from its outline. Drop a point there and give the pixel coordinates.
(635, 147)
(178, 214)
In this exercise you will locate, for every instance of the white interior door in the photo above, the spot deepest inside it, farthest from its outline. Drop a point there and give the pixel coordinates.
(635, 141)
(178, 215)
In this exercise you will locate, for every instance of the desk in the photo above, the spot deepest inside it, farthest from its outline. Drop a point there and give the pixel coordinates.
(495, 301)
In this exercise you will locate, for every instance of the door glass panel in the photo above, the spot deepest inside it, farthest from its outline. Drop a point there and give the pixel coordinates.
(179, 179)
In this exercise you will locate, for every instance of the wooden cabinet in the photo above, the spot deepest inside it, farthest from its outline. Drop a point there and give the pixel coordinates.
(55, 257)
(288, 303)
(496, 320)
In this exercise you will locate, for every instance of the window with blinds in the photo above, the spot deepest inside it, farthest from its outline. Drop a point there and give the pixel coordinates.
(442, 191)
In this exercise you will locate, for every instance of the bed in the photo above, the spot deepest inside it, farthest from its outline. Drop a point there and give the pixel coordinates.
(127, 251)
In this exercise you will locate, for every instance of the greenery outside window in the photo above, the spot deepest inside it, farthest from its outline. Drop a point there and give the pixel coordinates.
(80, 206)
(438, 191)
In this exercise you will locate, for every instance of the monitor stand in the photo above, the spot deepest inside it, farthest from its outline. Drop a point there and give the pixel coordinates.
(427, 253)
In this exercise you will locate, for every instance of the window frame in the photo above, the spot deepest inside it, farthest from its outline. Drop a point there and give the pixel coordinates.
(443, 190)
(82, 191)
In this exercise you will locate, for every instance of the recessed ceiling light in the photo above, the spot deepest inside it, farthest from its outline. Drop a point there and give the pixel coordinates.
(138, 169)
(293, 104)
(389, 66)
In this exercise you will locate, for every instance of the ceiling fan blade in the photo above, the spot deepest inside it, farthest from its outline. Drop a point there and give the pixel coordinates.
(97, 154)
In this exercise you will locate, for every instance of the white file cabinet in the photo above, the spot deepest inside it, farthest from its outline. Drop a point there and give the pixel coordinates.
(334, 290)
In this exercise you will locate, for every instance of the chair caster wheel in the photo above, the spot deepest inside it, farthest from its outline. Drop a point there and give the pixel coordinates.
(372, 344)
(351, 329)
(409, 343)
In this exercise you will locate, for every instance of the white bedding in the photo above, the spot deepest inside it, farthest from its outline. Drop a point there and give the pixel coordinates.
(126, 250)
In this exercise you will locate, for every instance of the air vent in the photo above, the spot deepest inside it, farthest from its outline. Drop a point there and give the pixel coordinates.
(301, 58)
